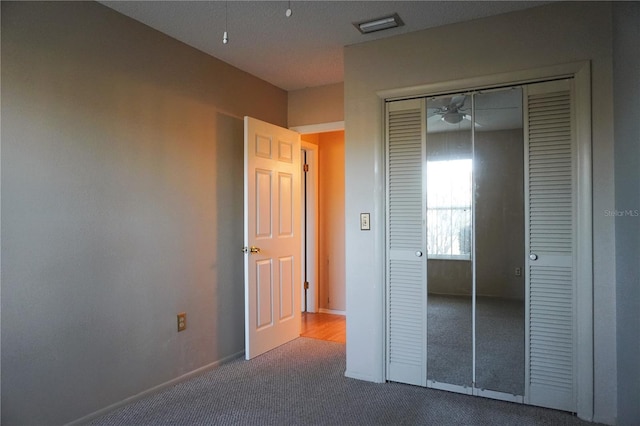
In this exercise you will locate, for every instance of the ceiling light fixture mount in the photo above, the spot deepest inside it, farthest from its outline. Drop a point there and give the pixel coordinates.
(383, 23)
(453, 117)
(225, 35)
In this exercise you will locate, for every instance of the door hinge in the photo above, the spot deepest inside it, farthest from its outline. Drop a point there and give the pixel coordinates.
(306, 285)
(305, 168)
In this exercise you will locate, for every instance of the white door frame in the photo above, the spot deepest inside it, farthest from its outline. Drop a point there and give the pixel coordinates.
(311, 237)
(581, 72)
(312, 208)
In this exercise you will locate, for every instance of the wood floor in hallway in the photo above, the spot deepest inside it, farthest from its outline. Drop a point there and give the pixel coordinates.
(324, 327)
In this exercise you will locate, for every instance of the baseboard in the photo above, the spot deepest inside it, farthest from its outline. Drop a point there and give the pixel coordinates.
(155, 389)
(331, 311)
(364, 377)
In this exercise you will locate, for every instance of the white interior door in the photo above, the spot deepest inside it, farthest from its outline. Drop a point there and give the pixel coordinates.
(271, 236)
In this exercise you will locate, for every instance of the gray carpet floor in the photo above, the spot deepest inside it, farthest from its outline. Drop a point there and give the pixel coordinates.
(499, 342)
(303, 383)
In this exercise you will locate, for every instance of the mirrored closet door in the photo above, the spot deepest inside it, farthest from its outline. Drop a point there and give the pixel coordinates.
(475, 242)
(480, 233)
(449, 182)
(498, 155)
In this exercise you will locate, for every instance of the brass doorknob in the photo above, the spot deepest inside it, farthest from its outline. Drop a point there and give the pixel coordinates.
(251, 249)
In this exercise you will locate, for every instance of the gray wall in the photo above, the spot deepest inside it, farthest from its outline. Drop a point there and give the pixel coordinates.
(122, 163)
(316, 105)
(626, 68)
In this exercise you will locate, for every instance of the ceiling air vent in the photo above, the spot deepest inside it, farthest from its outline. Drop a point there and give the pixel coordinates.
(379, 24)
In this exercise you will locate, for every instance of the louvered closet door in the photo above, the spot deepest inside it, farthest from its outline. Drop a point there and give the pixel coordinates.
(406, 243)
(550, 238)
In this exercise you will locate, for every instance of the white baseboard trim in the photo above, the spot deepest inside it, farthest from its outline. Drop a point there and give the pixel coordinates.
(364, 377)
(331, 311)
(155, 389)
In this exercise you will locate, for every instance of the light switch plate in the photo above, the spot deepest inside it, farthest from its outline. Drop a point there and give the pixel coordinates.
(365, 224)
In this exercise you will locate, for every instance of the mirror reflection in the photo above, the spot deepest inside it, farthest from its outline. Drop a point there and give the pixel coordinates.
(475, 229)
(449, 261)
(499, 241)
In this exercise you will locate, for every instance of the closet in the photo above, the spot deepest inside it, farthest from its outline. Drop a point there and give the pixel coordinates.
(480, 237)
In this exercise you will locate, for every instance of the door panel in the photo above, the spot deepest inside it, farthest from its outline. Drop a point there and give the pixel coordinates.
(499, 242)
(272, 236)
(287, 287)
(406, 252)
(285, 196)
(264, 293)
(263, 203)
(449, 176)
(550, 238)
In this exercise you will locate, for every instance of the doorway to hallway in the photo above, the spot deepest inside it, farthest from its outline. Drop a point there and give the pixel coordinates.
(324, 326)
(323, 222)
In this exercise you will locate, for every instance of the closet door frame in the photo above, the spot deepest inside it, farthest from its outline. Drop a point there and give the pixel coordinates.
(581, 73)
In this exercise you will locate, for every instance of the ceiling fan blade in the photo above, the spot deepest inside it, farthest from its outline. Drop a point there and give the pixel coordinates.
(457, 102)
(438, 103)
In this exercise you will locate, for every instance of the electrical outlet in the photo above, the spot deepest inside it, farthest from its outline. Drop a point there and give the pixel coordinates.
(518, 272)
(182, 321)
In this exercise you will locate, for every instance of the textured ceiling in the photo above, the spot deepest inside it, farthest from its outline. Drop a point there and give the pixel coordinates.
(304, 50)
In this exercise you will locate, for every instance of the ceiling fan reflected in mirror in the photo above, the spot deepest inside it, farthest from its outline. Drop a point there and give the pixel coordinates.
(450, 110)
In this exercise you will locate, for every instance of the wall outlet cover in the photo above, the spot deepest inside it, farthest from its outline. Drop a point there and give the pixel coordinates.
(182, 321)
